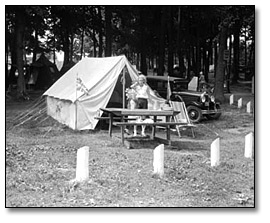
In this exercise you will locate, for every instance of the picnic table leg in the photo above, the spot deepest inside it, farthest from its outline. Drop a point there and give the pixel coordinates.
(122, 130)
(154, 128)
(110, 124)
(122, 134)
(168, 131)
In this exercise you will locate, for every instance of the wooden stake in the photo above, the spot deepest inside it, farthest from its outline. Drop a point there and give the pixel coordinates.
(82, 169)
(215, 152)
(124, 87)
(158, 161)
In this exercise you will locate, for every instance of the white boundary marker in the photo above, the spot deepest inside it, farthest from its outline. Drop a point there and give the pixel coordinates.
(82, 167)
(158, 161)
(240, 103)
(231, 99)
(249, 145)
(249, 107)
(215, 152)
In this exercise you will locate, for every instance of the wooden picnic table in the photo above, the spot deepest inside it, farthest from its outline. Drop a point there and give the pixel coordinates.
(123, 112)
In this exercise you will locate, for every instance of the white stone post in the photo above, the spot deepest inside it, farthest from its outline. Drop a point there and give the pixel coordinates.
(158, 161)
(249, 145)
(231, 99)
(215, 152)
(240, 103)
(249, 107)
(82, 168)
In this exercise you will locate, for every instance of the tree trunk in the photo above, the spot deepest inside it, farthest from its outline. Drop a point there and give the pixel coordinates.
(203, 66)
(6, 63)
(206, 61)
(189, 64)
(245, 51)
(19, 51)
(100, 42)
(11, 76)
(180, 51)
(82, 44)
(251, 54)
(161, 57)
(7, 49)
(34, 58)
(94, 43)
(143, 67)
(236, 52)
(193, 58)
(215, 58)
(170, 41)
(198, 56)
(219, 80)
(108, 27)
(229, 65)
(178, 45)
(210, 52)
(71, 47)
(66, 47)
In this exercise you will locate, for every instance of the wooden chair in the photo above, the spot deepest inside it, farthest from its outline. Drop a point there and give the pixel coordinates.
(182, 117)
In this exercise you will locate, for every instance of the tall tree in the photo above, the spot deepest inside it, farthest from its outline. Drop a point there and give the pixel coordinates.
(236, 41)
(19, 32)
(170, 40)
(219, 81)
(108, 30)
(143, 27)
(100, 33)
(161, 49)
(11, 46)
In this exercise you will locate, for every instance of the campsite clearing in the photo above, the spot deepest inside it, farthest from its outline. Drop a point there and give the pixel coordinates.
(41, 162)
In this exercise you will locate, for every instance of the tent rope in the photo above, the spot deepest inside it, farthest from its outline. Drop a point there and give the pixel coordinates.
(35, 105)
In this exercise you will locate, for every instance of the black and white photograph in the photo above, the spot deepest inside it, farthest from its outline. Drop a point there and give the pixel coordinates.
(130, 106)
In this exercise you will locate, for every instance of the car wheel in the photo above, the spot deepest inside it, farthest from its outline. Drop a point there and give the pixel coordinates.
(194, 113)
(214, 116)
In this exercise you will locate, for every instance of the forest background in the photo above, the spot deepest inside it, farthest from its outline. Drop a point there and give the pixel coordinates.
(153, 37)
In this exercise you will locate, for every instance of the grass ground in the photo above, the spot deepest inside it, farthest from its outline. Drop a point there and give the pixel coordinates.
(41, 164)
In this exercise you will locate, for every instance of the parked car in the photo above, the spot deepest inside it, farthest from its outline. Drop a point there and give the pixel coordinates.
(159, 83)
(199, 104)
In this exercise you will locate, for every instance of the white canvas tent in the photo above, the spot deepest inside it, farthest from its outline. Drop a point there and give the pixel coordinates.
(75, 99)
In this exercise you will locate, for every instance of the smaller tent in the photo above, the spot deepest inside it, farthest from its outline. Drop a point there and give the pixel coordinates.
(43, 73)
(93, 83)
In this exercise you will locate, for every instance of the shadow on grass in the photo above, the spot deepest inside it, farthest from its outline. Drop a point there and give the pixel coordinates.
(147, 143)
(186, 146)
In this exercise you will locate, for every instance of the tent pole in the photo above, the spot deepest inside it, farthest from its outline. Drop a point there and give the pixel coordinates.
(124, 85)
(169, 92)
